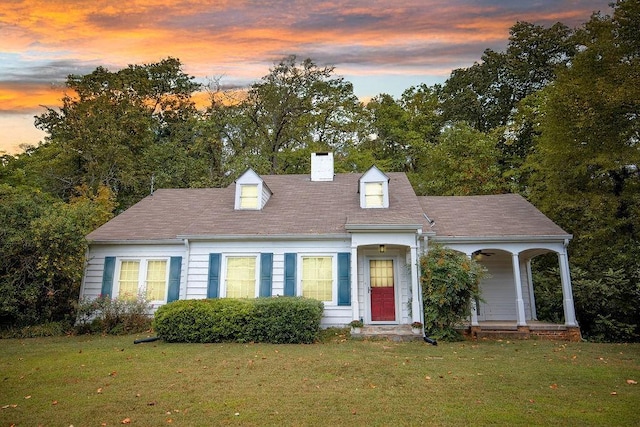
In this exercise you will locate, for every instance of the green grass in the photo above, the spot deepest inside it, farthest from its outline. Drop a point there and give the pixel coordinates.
(94, 381)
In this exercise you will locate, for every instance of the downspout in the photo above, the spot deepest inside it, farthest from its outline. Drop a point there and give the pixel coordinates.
(420, 300)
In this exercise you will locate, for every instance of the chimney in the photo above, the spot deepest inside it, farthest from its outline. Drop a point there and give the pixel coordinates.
(321, 166)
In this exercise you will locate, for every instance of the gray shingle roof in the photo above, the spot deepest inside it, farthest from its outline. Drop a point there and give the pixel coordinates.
(297, 206)
(487, 216)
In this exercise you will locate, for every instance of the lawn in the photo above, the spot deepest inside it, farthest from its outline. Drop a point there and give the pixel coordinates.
(98, 381)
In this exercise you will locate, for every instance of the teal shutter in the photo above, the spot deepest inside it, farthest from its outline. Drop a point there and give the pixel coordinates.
(213, 285)
(266, 274)
(107, 276)
(344, 278)
(290, 275)
(175, 268)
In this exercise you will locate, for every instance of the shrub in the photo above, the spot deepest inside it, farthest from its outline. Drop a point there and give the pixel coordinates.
(273, 320)
(210, 320)
(113, 316)
(449, 281)
(286, 320)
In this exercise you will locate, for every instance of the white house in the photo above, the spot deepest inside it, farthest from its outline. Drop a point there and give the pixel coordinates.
(350, 240)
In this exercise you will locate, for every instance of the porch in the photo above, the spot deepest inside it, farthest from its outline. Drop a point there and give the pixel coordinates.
(488, 330)
(505, 329)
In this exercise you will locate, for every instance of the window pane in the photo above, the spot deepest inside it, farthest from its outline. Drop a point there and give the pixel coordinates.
(317, 278)
(381, 273)
(128, 281)
(241, 277)
(156, 280)
(373, 194)
(249, 197)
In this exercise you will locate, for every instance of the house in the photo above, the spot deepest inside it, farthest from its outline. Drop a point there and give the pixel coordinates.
(350, 240)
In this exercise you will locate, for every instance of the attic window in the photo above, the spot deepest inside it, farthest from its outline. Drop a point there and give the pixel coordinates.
(249, 196)
(374, 195)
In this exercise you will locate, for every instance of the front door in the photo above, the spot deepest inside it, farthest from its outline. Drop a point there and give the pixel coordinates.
(383, 301)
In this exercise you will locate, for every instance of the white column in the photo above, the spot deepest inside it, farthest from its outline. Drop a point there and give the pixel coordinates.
(567, 293)
(518, 284)
(532, 296)
(474, 313)
(416, 316)
(355, 306)
(474, 306)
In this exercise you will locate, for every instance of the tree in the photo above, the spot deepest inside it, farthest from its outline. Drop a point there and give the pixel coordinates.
(42, 252)
(112, 121)
(463, 162)
(293, 110)
(584, 171)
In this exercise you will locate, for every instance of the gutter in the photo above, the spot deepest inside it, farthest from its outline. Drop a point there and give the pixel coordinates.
(512, 238)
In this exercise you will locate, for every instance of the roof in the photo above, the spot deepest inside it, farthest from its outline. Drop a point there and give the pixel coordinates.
(298, 206)
(504, 215)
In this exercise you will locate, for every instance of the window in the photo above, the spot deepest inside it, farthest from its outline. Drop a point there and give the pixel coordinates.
(317, 278)
(147, 278)
(241, 277)
(373, 195)
(249, 196)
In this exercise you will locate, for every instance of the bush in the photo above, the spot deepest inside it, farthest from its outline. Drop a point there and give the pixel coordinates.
(113, 316)
(449, 282)
(286, 320)
(273, 320)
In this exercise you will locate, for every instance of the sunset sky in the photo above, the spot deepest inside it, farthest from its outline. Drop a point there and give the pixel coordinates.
(381, 46)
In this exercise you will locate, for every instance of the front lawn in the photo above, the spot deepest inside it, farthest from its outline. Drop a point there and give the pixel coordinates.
(97, 381)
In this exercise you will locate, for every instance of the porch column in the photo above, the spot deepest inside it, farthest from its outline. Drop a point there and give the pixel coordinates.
(532, 296)
(355, 306)
(518, 283)
(416, 316)
(474, 305)
(474, 313)
(567, 293)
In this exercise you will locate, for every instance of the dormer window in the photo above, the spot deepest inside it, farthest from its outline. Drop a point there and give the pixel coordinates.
(373, 195)
(249, 196)
(251, 192)
(374, 189)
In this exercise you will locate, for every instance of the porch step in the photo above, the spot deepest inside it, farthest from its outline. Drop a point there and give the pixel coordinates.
(387, 332)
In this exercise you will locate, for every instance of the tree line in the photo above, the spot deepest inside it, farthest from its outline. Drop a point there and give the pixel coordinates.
(553, 117)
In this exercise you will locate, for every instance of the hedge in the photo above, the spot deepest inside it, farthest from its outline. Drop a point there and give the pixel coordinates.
(279, 320)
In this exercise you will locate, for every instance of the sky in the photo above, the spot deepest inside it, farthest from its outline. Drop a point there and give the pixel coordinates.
(381, 46)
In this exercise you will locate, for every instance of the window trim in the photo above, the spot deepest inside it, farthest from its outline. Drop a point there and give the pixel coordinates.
(142, 276)
(223, 278)
(334, 274)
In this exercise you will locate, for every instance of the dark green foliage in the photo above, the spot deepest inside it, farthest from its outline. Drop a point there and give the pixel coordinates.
(42, 253)
(281, 320)
(286, 320)
(113, 316)
(49, 329)
(450, 281)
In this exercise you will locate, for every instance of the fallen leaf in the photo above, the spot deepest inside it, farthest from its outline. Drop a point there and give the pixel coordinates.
(55, 402)
(126, 421)
(28, 397)
(427, 377)
(99, 390)
(113, 373)
(614, 393)
(169, 420)
(632, 382)
(553, 386)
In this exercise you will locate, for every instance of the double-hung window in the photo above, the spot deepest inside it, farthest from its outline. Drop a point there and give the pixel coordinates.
(317, 277)
(240, 277)
(249, 196)
(143, 277)
(374, 194)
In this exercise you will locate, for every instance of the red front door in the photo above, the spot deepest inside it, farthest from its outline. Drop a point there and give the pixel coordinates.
(383, 301)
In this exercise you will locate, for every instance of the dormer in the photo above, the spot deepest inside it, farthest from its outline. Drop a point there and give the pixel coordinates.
(374, 189)
(251, 192)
